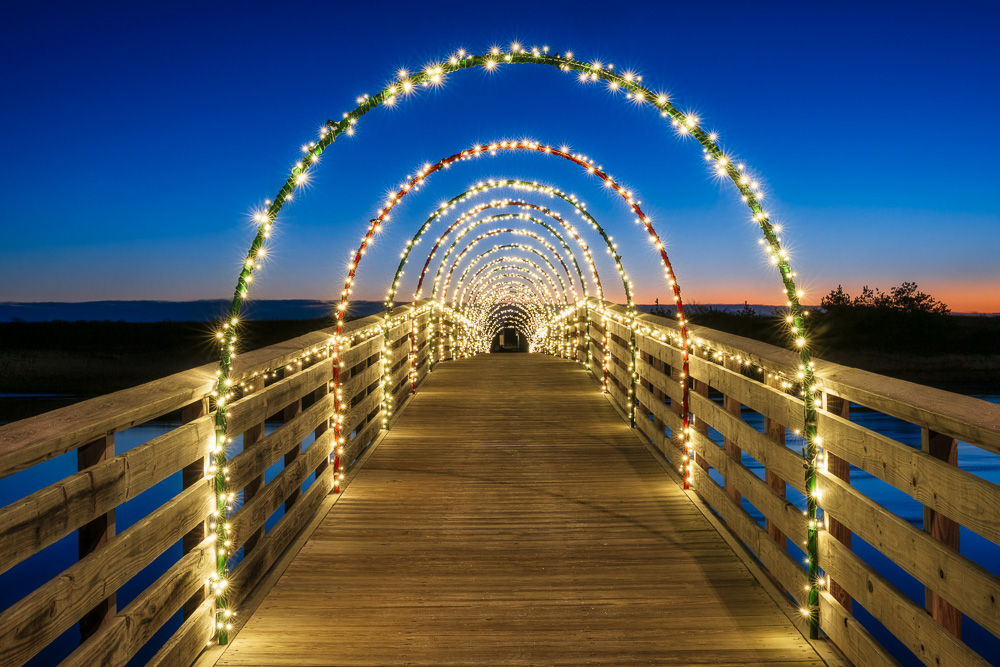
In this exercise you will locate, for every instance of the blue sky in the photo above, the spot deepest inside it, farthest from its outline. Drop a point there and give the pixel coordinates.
(137, 137)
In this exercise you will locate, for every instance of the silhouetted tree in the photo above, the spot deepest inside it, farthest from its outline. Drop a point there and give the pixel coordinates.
(903, 319)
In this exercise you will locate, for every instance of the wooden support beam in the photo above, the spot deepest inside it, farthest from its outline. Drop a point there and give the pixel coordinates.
(700, 424)
(191, 475)
(942, 529)
(287, 415)
(95, 534)
(323, 427)
(733, 451)
(775, 431)
(251, 437)
(842, 470)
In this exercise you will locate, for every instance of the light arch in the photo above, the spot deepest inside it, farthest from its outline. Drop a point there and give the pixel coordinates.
(433, 75)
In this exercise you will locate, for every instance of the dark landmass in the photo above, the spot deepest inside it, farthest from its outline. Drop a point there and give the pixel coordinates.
(78, 360)
(952, 352)
(207, 310)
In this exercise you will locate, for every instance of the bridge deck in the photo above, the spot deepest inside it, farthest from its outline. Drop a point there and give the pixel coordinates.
(511, 517)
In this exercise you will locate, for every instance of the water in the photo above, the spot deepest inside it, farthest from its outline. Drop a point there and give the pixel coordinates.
(976, 460)
(26, 576)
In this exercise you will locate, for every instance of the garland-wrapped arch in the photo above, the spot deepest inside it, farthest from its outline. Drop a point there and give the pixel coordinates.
(684, 123)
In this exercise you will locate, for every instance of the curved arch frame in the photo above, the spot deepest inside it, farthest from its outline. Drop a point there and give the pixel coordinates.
(507, 262)
(686, 124)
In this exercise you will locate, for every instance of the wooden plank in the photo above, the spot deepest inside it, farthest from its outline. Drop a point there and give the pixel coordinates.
(357, 414)
(95, 533)
(733, 451)
(517, 548)
(354, 446)
(118, 641)
(184, 645)
(253, 461)
(249, 570)
(945, 530)
(932, 643)
(361, 351)
(31, 441)
(31, 624)
(944, 488)
(785, 516)
(253, 514)
(853, 640)
(261, 405)
(359, 383)
(29, 525)
(841, 469)
(968, 419)
(289, 413)
(970, 587)
(191, 475)
(772, 556)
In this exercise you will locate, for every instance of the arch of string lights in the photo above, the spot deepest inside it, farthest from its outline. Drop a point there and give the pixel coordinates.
(406, 84)
(641, 218)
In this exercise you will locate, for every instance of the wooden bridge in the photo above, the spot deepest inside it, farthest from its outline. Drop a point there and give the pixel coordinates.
(510, 515)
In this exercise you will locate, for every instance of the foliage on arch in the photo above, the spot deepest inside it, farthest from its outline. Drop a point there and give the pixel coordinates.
(686, 124)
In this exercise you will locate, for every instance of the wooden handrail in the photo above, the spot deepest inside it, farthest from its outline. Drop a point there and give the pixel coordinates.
(290, 378)
(955, 583)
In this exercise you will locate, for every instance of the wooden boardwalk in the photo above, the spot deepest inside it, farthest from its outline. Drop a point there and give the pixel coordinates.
(511, 517)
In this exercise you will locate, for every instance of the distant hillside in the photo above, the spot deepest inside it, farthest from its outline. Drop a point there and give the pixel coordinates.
(176, 311)
(273, 309)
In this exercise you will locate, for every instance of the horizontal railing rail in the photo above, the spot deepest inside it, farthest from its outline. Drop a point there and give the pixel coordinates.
(747, 415)
(280, 424)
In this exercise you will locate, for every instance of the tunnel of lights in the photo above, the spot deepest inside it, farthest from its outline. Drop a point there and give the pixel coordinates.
(683, 123)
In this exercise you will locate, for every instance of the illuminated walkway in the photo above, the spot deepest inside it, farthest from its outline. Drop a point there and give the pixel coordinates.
(511, 517)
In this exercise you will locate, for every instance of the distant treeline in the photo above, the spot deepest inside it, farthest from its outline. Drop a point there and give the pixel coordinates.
(902, 333)
(903, 320)
(93, 358)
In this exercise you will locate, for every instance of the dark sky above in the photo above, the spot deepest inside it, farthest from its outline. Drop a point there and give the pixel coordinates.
(137, 138)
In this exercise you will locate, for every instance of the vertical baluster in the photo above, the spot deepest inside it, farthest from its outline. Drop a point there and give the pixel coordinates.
(289, 413)
(776, 432)
(840, 468)
(191, 475)
(323, 427)
(252, 436)
(659, 369)
(942, 529)
(733, 451)
(93, 535)
(700, 425)
(675, 404)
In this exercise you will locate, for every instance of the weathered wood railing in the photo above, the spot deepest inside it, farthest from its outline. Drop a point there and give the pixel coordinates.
(287, 383)
(734, 378)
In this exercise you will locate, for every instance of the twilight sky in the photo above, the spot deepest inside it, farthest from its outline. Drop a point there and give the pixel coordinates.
(138, 137)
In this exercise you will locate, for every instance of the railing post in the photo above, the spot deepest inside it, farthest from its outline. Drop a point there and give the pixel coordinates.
(251, 437)
(95, 534)
(776, 432)
(841, 469)
(191, 475)
(323, 427)
(733, 451)
(659, 367)
(700, 425)
(288, 414)
(676, 437)
(942, 529)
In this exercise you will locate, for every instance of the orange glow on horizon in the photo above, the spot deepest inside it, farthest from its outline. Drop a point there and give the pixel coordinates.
(960, 296)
